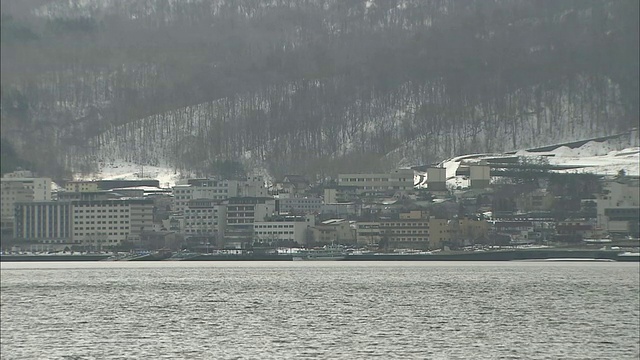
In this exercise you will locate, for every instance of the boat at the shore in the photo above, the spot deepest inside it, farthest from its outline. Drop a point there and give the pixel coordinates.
(330, 253)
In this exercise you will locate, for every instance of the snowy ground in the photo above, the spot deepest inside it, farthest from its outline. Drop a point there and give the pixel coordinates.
(595, 157)
(122, 170)
(602, 158)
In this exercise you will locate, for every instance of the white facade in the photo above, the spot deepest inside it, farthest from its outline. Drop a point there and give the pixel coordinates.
(619, 198)
(281, 230)
(204, 217)
(41, 187)
(399, 180)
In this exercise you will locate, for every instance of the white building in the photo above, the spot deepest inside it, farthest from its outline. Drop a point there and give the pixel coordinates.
(618, 208)
(204, 217)
(398, 180)
(15, 189)
(286, 229)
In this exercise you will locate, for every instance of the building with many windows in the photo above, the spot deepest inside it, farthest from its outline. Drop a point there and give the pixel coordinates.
(299, 205)
(44, 222)
(204, 218)
(284, 229)
(399, 180)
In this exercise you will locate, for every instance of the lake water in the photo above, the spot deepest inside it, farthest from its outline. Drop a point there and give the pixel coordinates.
(320, 310)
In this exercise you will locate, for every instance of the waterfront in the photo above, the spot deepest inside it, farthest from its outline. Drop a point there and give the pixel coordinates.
(357, 310)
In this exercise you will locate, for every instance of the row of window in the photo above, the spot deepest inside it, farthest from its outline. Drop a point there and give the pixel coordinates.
(104, 228)
(100, 222)
(279, 226)
(274, 232)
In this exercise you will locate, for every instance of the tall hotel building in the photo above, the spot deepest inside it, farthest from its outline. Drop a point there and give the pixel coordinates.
(47, 222)
(87, 222)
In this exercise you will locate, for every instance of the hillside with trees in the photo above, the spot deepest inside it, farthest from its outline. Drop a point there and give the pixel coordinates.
(314, 86)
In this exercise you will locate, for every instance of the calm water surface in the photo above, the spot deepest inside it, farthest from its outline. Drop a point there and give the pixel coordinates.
(320, 310)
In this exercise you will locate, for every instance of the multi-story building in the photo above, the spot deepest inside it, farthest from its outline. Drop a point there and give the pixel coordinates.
(368, 232)
(409, 230)
(204, 218)
(217, 190)
(399, 180)
(333, 231)
(82, 186)
(283, 229)
(242, 213)
(437, 178)
(12, 193)
(439, 232)
(301, 205)
(41, 187)
(182, 194)
(44, 222)
(101, 223)
(618, 208)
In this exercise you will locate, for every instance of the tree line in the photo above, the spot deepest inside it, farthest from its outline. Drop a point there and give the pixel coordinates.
(310, 86)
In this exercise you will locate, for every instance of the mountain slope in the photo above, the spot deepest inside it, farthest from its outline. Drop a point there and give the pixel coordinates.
(315, 86)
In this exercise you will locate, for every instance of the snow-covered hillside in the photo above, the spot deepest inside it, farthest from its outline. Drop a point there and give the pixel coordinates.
(597, 157)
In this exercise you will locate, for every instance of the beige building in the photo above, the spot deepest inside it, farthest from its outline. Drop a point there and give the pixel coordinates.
(399, 180)
(368, 232)
(12, 193)
(411, 230)
(100, 223)
(333, 231)
(82, 186)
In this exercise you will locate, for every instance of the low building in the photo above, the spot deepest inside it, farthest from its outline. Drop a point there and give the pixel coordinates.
(284, 229)
(333, 231)
(299, 205)
(396, 181)
(82, 186)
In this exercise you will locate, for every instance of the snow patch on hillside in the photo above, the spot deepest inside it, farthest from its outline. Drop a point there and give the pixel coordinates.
(123, 170)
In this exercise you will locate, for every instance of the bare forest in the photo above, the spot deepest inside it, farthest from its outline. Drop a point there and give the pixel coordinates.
(308, 86)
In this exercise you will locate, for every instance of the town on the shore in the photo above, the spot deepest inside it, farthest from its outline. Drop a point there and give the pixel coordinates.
(516, 206)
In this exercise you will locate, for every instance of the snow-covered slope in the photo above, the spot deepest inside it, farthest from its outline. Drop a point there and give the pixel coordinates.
(598, 157)
(595, 157)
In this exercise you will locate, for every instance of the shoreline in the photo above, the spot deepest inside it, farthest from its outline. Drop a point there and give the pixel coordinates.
(495, 255)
